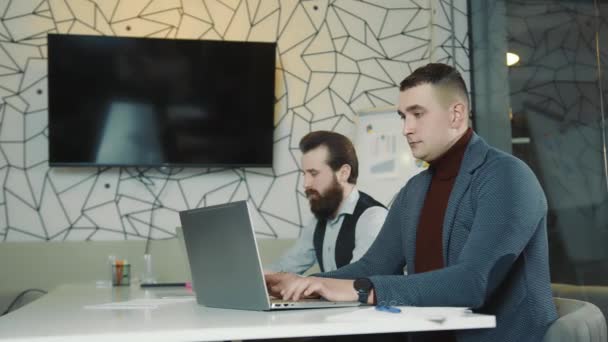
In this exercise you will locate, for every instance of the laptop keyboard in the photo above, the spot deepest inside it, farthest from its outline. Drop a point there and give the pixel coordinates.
(307, 300)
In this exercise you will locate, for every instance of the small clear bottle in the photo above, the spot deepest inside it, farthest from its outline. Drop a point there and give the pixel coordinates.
(148, 276)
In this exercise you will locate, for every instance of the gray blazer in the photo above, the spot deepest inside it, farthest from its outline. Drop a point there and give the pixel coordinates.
(494, 248)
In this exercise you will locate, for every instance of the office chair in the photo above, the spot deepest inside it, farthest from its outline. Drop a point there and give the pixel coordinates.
(578, 321)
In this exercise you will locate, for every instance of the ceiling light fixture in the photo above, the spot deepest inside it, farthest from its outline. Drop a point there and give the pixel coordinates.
(512, 58)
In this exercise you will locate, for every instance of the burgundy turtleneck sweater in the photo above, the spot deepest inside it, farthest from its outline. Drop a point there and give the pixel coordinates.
(429, 237)
(429, 251)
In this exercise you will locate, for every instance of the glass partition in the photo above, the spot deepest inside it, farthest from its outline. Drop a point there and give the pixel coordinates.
(551, 102)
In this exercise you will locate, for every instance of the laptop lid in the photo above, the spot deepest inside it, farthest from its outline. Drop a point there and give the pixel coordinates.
(184, 255)
(225, 263)
(223, 256)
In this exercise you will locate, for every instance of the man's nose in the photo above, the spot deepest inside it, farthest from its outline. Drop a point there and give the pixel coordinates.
(307, 182)
(408, 127)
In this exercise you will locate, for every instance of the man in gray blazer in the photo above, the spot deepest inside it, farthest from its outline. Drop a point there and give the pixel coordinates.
(471, 229)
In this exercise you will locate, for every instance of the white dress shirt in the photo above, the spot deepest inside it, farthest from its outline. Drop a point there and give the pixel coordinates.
(301, 256)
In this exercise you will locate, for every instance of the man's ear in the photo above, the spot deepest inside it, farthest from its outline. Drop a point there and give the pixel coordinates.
(344, 173)
(459, 114)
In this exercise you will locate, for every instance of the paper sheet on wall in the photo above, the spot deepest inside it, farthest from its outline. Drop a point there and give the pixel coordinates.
(386, 162)
(383, 155)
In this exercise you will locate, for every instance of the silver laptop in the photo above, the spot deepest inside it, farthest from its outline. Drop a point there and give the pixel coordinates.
(184, 255)
(225, 263)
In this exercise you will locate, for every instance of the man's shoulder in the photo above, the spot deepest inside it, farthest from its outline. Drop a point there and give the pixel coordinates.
(371, 220)
(508, 173)
(367, 201)
(497, 160)
(375, 210)
(481, 159)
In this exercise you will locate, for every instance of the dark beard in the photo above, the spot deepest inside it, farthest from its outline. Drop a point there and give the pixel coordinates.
(325, 206)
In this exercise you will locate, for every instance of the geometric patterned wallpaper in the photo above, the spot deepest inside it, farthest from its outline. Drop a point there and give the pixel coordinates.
(555, 94)
(333, 59)
(450, 36)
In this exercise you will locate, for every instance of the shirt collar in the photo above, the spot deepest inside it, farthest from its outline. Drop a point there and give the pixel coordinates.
(348, 205)
(448, 165)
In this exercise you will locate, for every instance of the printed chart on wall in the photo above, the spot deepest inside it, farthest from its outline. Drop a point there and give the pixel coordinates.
(385, 160)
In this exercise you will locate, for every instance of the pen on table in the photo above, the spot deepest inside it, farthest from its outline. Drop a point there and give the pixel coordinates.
(387, 308)
(392, 309)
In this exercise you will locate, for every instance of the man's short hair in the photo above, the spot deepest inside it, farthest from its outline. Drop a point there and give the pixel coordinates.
(440, 75)
(340, 151)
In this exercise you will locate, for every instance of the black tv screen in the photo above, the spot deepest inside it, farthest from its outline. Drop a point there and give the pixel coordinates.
(119, 101)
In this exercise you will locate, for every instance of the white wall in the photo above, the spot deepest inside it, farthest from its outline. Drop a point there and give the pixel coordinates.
(334, 58)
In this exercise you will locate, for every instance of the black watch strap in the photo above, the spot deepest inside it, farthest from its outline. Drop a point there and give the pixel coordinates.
(363, 286)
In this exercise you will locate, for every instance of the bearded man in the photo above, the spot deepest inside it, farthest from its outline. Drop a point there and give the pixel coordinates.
(346, 220)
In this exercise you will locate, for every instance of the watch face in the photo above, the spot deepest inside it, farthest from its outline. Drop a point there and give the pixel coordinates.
(363, 285)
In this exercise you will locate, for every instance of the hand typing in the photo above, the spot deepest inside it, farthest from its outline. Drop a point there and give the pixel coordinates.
(289, 286)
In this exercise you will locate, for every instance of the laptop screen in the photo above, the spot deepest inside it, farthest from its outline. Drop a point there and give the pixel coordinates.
(223, 256)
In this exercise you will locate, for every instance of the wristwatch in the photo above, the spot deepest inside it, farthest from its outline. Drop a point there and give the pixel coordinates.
(363, 286)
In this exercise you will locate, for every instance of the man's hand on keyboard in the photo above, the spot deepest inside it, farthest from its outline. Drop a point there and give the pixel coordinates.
(289, 286)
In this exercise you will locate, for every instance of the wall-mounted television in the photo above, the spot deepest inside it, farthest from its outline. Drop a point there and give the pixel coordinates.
(123, 101)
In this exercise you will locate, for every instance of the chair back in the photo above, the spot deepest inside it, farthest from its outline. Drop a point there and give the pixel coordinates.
(578, 321)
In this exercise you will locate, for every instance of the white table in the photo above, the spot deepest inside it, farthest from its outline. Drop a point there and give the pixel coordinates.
(61, 316)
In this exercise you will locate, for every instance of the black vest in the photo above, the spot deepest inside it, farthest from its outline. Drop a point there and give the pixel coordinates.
(345, 243)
